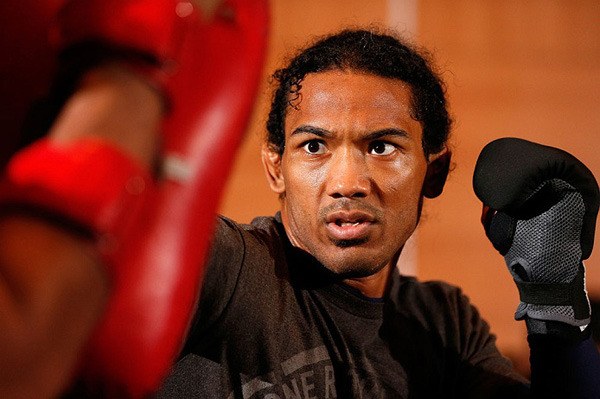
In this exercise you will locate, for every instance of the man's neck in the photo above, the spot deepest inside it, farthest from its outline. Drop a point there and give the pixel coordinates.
(375, 285)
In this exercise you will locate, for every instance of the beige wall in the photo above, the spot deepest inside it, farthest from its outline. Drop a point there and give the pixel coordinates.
(525, 69)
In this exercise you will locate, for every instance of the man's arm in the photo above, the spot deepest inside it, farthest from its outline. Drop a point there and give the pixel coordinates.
(52, 292)
(562, 368)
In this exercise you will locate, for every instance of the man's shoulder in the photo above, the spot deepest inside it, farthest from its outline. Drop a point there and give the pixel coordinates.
(243, 260)
(262, 229)
(263, 236)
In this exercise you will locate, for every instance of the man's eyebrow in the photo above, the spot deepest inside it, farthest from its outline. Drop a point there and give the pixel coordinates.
(317, 131)
(378, 134)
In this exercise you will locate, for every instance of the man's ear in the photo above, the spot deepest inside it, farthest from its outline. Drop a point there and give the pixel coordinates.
(437, 172)
(272, 163)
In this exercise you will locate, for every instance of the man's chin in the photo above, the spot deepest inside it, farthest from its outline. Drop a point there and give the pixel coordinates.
(352, 267)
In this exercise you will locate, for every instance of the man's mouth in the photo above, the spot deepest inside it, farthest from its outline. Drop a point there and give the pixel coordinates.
(349, 225)
(343, 224)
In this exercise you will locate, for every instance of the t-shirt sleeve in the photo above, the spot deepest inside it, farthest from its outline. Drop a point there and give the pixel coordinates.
(222, 271)
(483, 371)
(449, 334)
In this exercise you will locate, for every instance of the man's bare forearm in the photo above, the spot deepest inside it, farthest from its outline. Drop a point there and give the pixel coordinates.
(53, 285)
(52, 292)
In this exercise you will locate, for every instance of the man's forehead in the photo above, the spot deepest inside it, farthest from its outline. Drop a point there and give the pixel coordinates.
(351, 104)
(353, 88)
(337, 74)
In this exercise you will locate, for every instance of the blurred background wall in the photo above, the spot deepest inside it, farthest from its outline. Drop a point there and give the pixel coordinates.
(513, 68)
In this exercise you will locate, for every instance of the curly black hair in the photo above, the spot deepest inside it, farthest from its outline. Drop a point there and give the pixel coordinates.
(369, 52)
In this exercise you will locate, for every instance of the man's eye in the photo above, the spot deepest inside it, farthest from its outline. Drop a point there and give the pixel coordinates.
(381, 148)
(314, 147)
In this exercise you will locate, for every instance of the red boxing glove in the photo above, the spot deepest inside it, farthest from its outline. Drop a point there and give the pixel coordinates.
(209, 71)
(153, 27)
(146, 35)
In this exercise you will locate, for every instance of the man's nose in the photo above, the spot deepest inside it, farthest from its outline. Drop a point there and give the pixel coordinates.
(348, 176)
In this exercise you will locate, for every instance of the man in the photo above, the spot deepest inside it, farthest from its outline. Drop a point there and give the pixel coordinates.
(309, 303)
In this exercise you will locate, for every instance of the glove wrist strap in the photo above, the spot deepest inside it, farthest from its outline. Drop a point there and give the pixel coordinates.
(558, 294)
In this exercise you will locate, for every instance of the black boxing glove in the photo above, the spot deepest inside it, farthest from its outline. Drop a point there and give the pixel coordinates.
(540, 208)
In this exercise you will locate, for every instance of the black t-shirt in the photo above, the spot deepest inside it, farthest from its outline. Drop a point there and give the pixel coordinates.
(274, 323)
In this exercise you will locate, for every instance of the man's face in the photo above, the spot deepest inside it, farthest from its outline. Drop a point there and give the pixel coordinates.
(352, 171)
